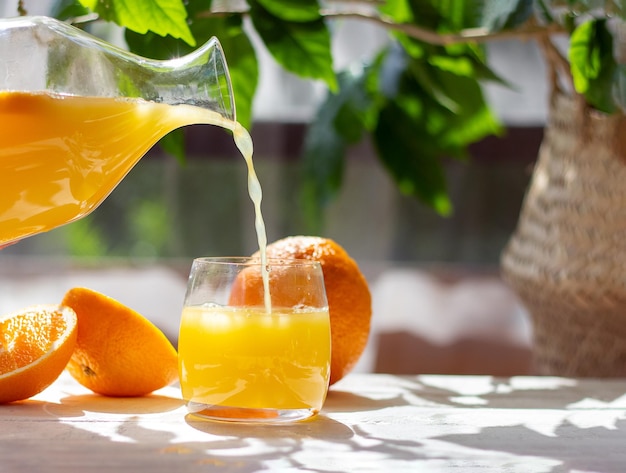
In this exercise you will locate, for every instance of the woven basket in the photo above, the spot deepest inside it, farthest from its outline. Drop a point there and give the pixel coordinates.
(567, 257)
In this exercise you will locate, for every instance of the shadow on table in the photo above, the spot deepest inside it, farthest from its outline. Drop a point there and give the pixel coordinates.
(322, 443)
(597, 449)
(321, 427)
(344, 401)
(540, 392)
(583, 421)
(575, 438)
(290, 441)
(116, 444)
(69, 447)
(150, 404)
(76, 406)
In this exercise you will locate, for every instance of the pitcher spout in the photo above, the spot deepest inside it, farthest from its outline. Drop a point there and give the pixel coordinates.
(201, 78)
(66, 60)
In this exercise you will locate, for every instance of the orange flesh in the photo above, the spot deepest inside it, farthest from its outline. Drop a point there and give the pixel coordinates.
(25, 339)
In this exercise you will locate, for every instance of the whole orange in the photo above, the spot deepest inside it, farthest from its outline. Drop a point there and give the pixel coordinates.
(118, 351)
(287, 288)
(349, 298)
(35, 345)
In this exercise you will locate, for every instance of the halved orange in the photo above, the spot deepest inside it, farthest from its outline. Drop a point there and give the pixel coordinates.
(35, 345)
(119, 352)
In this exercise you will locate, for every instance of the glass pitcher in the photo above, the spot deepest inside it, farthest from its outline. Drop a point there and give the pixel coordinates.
(76, 114)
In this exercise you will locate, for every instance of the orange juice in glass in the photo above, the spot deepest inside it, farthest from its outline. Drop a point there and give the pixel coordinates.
(254, 353)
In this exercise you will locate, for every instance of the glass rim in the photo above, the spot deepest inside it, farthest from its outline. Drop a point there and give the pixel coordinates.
(255, 261)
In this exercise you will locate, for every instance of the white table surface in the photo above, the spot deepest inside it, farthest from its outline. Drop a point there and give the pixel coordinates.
(370, 422)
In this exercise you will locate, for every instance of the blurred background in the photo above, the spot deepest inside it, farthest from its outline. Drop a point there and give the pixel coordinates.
(439, 305)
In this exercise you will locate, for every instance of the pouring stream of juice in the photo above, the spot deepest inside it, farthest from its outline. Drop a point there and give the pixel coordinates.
(244, 143)
(62, 155)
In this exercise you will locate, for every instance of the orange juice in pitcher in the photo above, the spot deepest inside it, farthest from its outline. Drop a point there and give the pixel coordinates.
(76, 114)
(61, 155)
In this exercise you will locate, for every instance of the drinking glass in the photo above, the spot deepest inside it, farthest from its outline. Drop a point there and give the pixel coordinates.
(254, 341)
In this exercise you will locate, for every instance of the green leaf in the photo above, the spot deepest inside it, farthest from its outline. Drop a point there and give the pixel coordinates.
(423, 73)
(341, 120)
(240, 55)
(440, 88)
(163, 17)
(302, 48)
(290, 10)
(498, 15)
(447, 16)
(482, 71)
(436, 15)
(592, 63)
(545, 11)
(454, 115)
(454, 108)
(353, 108)
(66, 9)
(410, 159)
(473, 119)
(400, 11)
(322, 169)
(431, 113)
(454, 11)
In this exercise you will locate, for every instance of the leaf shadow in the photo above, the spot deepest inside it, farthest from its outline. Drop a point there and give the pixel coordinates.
(596, 449)
(345, 401)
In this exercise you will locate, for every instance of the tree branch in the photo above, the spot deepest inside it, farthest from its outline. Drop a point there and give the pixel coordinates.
(473, 35)
(558, 67)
